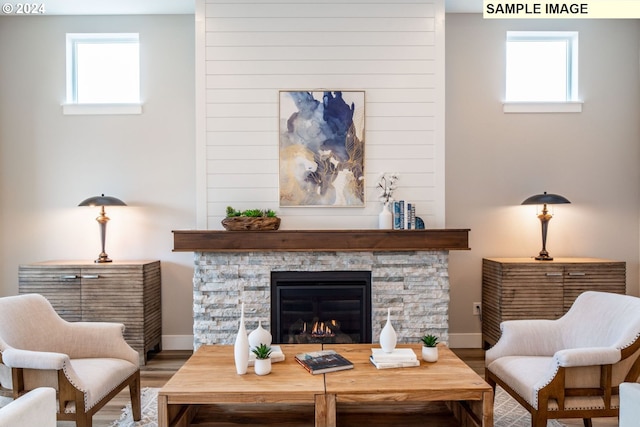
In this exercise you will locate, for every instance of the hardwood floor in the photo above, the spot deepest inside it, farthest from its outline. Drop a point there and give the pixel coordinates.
(163, 365)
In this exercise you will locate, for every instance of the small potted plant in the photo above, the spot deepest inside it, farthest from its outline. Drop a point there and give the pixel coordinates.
(262, 365)
(429, 349)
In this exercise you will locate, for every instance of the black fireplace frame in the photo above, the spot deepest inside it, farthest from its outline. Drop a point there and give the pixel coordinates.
(308, 280)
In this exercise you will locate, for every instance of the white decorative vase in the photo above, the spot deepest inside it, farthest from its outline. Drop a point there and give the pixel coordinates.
(259, 336)
(262, 366)
(388, 337)
(385, 219)
(430, 354)
(241, 347)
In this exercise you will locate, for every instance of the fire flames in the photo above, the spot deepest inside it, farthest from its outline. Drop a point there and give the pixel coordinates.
(322, 329)
(316, 330)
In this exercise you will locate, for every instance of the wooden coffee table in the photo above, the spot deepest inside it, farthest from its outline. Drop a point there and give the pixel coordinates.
(449, 379)
(209, 377)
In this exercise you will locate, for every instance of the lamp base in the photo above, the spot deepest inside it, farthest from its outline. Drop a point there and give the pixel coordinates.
(544, 256)
(103, 258)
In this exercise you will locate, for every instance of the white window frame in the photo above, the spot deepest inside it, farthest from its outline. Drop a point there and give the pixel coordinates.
(572, 103)
(72, 107)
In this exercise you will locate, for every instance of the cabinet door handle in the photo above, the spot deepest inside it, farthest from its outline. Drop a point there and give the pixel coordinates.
(90, 276)
(68, 276)
(554, 274)
(577, 273)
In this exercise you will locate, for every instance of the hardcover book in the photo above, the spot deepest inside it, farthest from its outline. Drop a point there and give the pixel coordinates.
(391, 365)
(320, 362)
(397, 224)
(398, 355)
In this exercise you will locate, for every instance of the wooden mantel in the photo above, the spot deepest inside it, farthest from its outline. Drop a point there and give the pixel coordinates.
(320, 240)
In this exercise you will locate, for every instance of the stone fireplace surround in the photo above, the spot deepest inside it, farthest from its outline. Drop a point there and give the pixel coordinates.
(413, 283)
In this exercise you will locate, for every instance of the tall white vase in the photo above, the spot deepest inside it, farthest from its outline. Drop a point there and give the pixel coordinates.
(388, 337)
(385, 219)
(241, 347)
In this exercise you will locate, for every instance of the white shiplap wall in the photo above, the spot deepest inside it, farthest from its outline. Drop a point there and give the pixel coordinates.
(249, 50)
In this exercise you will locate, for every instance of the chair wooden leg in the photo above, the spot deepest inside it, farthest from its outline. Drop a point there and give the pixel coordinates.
(538, 419)
(587, 422)
(134, 393)
(84, 420)
(17, 379)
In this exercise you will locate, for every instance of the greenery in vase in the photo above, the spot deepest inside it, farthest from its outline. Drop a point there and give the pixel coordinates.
(429, 340)
(251, 213)
(262, 351)
(386, 186)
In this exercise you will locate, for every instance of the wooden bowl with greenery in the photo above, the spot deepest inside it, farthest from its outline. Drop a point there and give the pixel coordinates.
(250, 220)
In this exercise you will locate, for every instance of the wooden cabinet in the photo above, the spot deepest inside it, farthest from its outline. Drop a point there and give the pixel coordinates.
(123, 292)
(523, 288)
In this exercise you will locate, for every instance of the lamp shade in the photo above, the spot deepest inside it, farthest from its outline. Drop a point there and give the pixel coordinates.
(102, 200)
(545, 199)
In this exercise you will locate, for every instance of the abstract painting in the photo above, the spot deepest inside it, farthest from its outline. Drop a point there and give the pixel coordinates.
(322, 148)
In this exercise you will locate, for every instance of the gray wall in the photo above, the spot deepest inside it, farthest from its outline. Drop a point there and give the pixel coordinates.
(496, 160)
(50, 162)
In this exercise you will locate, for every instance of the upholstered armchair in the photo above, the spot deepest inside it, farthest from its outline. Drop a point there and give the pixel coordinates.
(570, 367)
(88, 363)
(35, 409)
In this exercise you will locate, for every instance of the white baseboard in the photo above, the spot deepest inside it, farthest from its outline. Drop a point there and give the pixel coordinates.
(185, 342)
(465, 340)
(177, 342)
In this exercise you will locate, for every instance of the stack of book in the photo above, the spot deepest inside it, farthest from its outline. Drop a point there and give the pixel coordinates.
(398, 358)
(404, 215)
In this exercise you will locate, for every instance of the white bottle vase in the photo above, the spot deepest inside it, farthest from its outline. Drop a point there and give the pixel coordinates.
(259, 336)
(388, 337)
(385, 219)
(241, 347)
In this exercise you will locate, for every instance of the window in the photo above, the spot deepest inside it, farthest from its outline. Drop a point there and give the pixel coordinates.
(103, 70)
(542, 67)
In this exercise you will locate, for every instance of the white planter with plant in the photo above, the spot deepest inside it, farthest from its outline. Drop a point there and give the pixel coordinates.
(429, 348)
(262, 365)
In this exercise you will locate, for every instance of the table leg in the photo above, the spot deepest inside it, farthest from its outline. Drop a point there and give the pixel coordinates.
(163, 411)
(325, 410)
(487, 409)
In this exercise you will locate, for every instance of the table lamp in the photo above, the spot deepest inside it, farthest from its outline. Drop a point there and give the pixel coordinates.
(102, 201)
(545, 199)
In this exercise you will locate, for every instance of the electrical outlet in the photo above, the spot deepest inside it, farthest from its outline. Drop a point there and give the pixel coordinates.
(477, 308)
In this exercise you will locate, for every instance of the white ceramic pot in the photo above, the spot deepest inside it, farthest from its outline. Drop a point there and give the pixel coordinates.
(262, 366)
(430, 354)
(388, 336)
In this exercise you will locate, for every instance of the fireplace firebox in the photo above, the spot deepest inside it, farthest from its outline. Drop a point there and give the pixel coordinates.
(321, 307)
